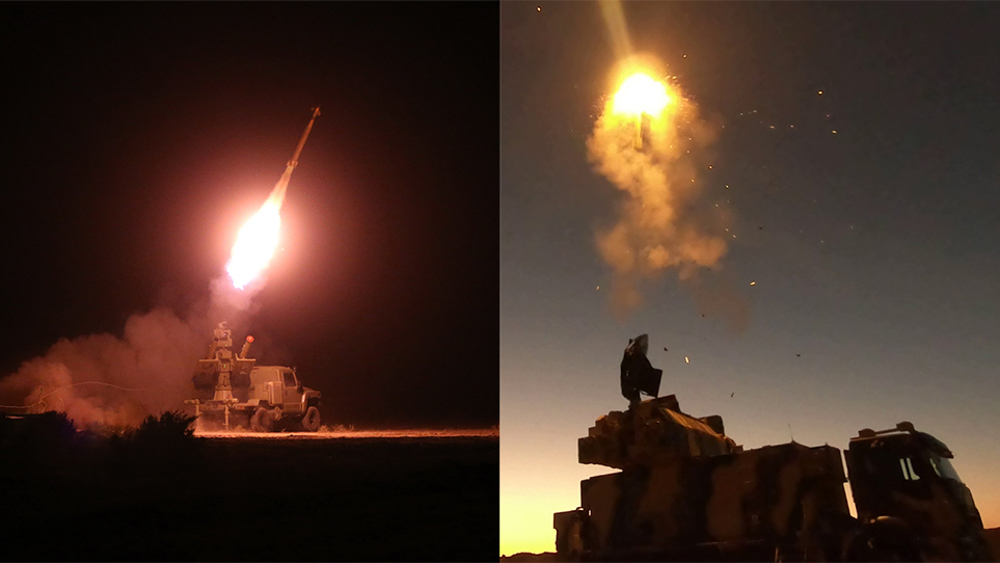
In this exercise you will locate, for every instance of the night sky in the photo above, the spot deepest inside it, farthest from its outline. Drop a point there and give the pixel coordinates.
(138, 138)
(872, 249)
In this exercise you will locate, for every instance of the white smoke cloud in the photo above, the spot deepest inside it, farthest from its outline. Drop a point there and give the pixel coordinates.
(103, 378)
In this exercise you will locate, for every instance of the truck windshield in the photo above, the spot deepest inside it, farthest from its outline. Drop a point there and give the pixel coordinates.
(944, 468)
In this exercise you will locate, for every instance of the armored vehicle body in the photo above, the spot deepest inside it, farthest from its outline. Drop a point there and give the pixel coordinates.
(687, 492)
(686, 495)
(910, 500)
(652, 431)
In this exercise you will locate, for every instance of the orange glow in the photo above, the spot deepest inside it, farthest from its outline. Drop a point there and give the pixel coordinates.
(255, 243)
(640, 94)
(531, 491)
(526, 519)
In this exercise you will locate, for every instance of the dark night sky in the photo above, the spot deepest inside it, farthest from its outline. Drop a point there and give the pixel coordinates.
(139, 137)
(873, 249)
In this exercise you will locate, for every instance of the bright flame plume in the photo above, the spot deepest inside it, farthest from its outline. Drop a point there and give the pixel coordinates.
(258, 239)
(641, 94)
(646, 142)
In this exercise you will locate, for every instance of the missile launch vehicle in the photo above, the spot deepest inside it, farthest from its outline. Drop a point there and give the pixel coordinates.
(231, 391)
(687, 492)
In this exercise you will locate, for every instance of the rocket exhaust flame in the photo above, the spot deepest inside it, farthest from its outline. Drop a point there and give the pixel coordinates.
(256, 242)
(642, 143)
(640, 94)
(258, 238)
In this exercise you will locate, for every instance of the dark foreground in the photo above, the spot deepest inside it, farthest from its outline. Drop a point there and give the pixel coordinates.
(255, 499)
(992, 536)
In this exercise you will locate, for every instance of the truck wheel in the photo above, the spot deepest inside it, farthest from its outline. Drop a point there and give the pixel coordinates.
(262, 420)
(881, 543)
(310, 422)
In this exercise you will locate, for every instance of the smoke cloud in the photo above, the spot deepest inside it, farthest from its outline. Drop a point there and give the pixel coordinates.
(111, 380)
(658, 228)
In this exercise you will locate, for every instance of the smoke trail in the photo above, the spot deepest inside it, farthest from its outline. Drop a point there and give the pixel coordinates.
(658, 228)
(614, 18)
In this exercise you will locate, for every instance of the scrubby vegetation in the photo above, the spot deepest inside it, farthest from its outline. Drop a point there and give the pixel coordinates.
(45, 453)
(35, 433)
(46, 434)
(158, 447)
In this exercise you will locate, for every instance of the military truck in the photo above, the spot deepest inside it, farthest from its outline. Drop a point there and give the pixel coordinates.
(910, 501)
(687, 492)
(231, 391)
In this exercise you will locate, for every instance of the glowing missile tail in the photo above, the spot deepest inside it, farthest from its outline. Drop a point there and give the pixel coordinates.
(255, 245)
(257, 240)
(640, 94)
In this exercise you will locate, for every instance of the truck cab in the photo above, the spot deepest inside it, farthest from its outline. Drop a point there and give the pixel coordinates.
(275, 393)
(278, 386)
(909, 497)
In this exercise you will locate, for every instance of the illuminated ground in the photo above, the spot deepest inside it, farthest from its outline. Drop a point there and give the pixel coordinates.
(327, 435)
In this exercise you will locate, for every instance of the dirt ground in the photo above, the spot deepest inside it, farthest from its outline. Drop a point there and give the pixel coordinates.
(401, 497)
